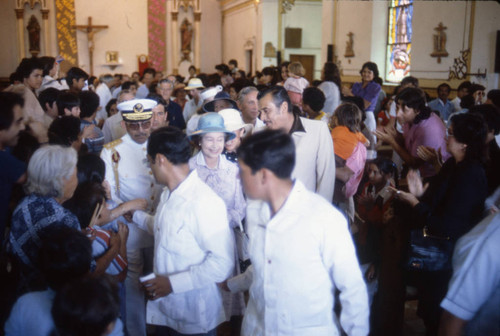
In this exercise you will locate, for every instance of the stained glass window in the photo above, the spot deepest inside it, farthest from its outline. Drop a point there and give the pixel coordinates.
(399, 40)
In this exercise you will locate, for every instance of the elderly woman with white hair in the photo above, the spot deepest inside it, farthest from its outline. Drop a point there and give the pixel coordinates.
(51, 180)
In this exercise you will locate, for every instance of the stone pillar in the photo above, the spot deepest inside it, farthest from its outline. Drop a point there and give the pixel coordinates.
(197, 40)
(20, 33)
(46, 32)
(175, 43)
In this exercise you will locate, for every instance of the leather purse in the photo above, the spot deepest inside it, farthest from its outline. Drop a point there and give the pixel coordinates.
(427, 252)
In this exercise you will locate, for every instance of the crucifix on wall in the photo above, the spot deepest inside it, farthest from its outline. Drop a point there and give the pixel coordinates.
(91, 31)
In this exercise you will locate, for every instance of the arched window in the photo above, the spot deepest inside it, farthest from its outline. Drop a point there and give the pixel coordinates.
(399, 40)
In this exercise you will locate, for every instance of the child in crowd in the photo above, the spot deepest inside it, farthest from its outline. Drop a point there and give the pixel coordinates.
(313, 103)
(372, 204)
(89, 105)
(350, 155)
(68, 104)
(90, 196)
(88, 204)
(91, 168)
(296, 83)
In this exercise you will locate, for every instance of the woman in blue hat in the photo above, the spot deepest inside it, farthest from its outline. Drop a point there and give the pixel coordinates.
(222, 176)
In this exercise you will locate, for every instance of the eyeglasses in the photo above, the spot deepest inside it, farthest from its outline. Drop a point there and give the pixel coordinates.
(449, 133)
(134, 126)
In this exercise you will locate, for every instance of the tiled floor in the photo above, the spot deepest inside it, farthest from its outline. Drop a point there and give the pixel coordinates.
(413, 325)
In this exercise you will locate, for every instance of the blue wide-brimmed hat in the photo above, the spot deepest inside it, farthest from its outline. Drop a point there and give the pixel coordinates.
(209, 107)
(211, 122)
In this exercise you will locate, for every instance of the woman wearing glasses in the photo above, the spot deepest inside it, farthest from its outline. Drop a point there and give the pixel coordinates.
(449, 206)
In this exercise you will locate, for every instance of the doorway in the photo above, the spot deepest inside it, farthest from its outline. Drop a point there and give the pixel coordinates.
(249, 61)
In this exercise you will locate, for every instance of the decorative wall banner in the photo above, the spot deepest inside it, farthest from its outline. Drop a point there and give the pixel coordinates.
(66, 36)
(157, 35)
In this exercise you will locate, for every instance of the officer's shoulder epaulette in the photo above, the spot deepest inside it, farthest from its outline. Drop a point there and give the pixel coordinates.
(112, 144)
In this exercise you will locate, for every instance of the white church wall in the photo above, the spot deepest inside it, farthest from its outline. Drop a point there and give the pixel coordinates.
(486, 25)
(355, 17)
(269, 9)
(211, 35)
(240, 27)
(327, 23)
(8, 35)
(426, 16)
(127, 33)
(307, 16)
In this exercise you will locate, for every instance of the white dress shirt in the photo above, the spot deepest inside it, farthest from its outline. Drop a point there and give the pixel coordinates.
(112, 128)
(190, 108)
(142, 92)
(299, 257)
(315, 159)
(105, 96)
(194, 248)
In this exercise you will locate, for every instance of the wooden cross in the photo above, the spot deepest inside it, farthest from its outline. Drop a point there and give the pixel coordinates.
(90, 30)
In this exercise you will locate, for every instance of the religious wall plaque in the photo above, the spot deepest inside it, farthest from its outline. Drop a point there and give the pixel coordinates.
(111, 57)
(293, 38)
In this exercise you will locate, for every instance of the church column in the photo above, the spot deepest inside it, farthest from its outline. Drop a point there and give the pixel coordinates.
(197, 40)
(46, 33)
(20, 33)
(175, 43)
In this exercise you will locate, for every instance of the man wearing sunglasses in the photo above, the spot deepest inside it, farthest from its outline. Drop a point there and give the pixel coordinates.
(130, 177)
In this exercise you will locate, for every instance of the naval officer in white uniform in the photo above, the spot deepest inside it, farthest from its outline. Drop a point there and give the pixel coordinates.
(130, 177)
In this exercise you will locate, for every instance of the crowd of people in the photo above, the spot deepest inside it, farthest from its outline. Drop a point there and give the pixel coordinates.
(226, 204)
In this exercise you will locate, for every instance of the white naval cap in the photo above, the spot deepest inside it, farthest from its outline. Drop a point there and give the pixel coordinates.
(137, 109)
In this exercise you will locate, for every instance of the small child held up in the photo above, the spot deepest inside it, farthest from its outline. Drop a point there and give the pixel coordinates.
(296, 83)
(372, 205)
(350, 155)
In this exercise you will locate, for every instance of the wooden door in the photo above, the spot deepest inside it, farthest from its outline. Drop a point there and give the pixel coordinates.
(308, 64)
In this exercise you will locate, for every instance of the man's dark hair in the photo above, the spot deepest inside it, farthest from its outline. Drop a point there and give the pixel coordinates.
(467, 101)
(410, 80)
(494, 96)
(157, 98)
(476, 87)
(270, 149)
(86, 307)
(443, 85)
(464, 85)
(90, 168)
(47, 63)
(65, 255)
(66, 100)
(75, 73)
(7, 102)
(470, 129)
(170, 142)
(491, 115)
(49, 95)
(279, 95)
(314, 97)
(89, 102)
(84, 200)
(233, 62)
(151, 71)
(64, 131)
(27, 66)
(224, 68)
(126, 85)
